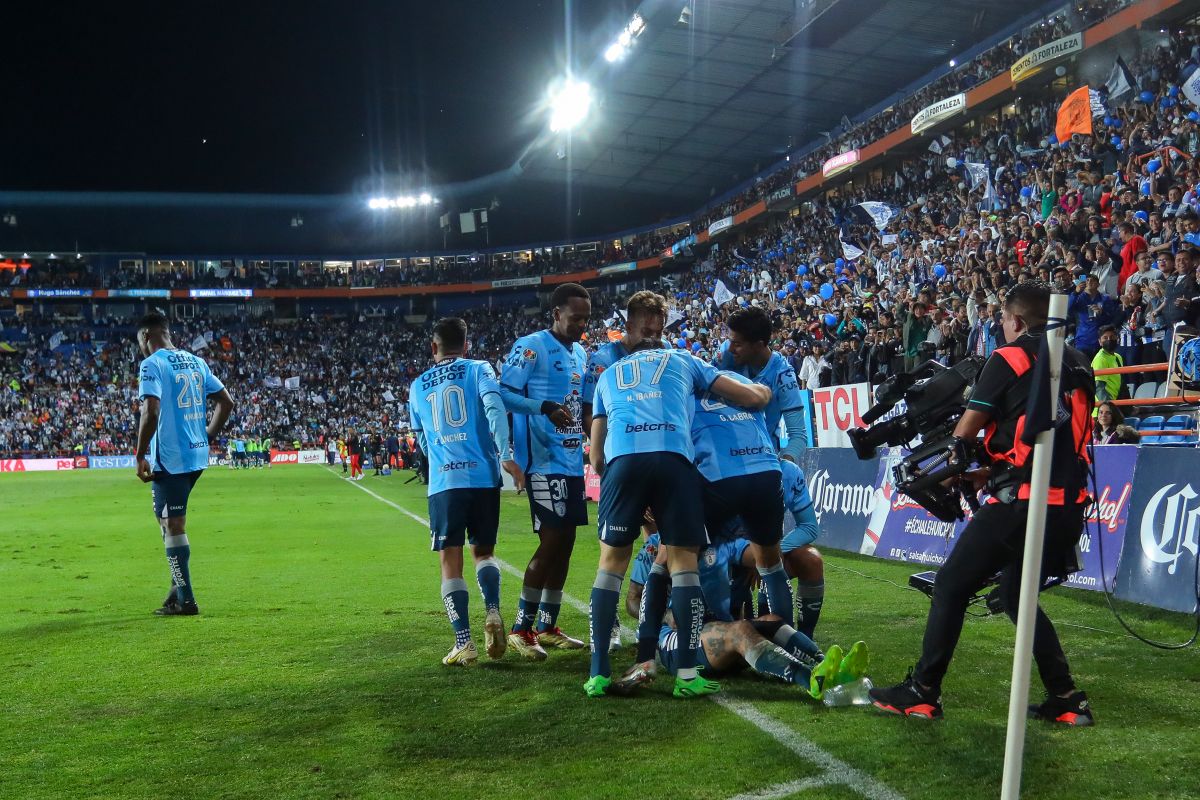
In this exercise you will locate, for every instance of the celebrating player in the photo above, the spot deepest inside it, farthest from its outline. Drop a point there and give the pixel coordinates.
(642, 448)
(542, 386)
(172, 443)
(460, 421)
(645, 318)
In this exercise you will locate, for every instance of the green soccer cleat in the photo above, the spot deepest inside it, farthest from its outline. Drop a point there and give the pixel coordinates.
(597, 686)
(698, 686)
(824, 674)
(854, 664)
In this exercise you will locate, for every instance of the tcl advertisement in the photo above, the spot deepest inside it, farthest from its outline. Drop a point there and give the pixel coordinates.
(285, 456)
(837, 409)
(36, 464)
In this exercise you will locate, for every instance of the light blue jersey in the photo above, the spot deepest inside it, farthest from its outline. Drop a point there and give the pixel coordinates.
(778, 376)
(604, 357)
(797, 503)
(649, 400)
(730, 441)
(182, 383)
(239, 445)
(542, 368)
(446, 405)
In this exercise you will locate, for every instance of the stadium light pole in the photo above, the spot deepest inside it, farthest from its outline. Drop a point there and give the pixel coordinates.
(1031, 565)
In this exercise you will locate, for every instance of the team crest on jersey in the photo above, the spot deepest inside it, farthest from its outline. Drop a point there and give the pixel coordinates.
(530, 354)
(576, 378)
(597, 368)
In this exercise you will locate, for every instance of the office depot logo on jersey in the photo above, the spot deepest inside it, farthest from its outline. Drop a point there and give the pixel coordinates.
(285, 457)
(36, 464)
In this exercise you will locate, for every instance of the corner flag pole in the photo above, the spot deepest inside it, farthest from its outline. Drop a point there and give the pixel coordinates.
(1031, 566)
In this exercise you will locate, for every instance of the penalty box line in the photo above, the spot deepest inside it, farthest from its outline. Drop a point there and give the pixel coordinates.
(835, 771)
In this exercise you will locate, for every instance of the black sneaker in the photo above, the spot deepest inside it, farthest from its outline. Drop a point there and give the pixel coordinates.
(173, 608)
(1073, 710)
(907, 699)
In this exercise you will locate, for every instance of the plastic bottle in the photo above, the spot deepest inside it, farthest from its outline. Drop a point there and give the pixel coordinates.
(849, 694)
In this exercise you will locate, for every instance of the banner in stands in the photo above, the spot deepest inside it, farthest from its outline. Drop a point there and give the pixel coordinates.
(843, 493)
(58, 293)
(285, 457)
(931, 115)
(508, 282)
(837, 409)
(36, 464)
(839, 163)
(312, 457)
(112, 462)
(220, 292)
(723, 224)
(628, 266)
(139, 292)
(781, 196)
(1030, 63)
(1158, 563)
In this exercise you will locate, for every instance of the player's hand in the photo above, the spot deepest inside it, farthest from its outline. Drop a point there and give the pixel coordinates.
(512, 469)
(561, 418)
(144, 473)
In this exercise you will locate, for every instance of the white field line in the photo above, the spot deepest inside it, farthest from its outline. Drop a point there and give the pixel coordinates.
(834, 770)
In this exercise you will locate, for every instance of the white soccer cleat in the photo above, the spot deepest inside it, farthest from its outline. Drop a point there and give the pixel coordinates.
(637, 676)
(493, 635)
(614, 642)
(527, 646)
(461, 656)
(556, 638)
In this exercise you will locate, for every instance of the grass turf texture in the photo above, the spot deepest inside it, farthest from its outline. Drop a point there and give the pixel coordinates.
(314, 669)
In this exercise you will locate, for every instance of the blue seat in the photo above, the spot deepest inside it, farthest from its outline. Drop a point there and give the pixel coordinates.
(1153, 423)
(1133, 422)
(1179, 422)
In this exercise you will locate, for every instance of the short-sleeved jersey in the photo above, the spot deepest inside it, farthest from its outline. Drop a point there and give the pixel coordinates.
(778, 376)
(182, 383)
(239, 445)
(730, 441)
(446, 403)
(543, 368)
(604, 357)
(644, 560)
(649, 400)
(796, 500)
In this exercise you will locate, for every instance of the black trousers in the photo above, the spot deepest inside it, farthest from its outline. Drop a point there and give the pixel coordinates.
(992, 542)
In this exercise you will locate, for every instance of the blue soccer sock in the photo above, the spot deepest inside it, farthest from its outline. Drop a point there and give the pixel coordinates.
(768, 658)
(779, 591)
(527, 607)
(456, 597)
(651, 611)
(606, 594)
(179, 552)
(487, 574)
(687, 604)
(810, 597)
(548, 608)
(797, 644)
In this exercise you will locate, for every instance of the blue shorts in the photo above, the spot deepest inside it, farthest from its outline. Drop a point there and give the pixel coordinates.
(668, 652)
(458, 514)
(666, 483)
(556, 501)
(757, 499)
(171, 492)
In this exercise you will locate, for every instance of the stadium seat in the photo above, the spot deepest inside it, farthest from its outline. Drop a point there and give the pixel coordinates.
(1153, 423)
(1179, 422)
(1133, 422)
(1145, 391)
(1161, 391)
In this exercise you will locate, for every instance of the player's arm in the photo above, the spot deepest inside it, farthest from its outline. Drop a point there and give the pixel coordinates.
(598, 435)
(493, 408)
(793, 423)
(224, 407)
(147, 425)
(746, 395)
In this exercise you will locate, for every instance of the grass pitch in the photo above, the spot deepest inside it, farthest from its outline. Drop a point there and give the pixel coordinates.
(314, 671)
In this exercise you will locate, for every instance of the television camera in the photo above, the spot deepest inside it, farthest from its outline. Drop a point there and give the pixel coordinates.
(935, 397)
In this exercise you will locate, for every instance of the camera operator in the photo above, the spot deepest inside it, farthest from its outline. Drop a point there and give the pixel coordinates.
(994, 539)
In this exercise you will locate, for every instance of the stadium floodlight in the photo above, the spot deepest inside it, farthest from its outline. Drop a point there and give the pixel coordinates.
(425, 199)
(614, 52)
(401, 201)
(569, 104)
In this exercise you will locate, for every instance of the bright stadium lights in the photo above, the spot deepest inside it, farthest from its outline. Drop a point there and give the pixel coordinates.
(569, 104)
(624, 43)
(401, 201)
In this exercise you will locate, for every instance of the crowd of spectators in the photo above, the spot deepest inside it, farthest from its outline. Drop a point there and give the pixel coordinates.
(1114, 219)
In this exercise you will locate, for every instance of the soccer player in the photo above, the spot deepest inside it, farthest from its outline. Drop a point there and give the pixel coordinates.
(172, 443)
(264, 451)
(642, 448)
(542, 385)
(239, 451)
(354, 448)
(460, 421)
(251, 452)
(645, 318)
(801, 560)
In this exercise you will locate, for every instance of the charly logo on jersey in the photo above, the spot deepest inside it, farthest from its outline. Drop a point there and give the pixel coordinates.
(1170, 525)
(841, 498)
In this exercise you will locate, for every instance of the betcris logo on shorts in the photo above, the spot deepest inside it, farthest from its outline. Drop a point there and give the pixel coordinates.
(651, 427)
(111, 462)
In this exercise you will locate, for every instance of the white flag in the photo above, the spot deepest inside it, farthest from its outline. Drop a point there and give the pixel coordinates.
(272, 382)
(292, 383)
(978, 174)
(57, 339)
(899, 181)
(1120, 81)
(318, 399)
(1191, 87)
(891, 238)
(881, 213)
(721, 294)
(199, 344)
(850, 251)
(1098, 109)
(674, 316)
(945, 140)
(936, 146)
(389, 397)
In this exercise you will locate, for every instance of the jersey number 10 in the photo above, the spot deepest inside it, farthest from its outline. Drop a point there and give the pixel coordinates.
(454, 403)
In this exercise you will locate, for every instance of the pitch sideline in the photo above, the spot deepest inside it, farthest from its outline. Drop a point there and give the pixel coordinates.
(834, 770)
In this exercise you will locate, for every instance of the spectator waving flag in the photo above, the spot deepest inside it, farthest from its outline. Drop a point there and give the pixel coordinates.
(850, 251)
(1098, 109)
(978, 173)
(198, 344)
(881, 213)
(1120, 81)
(1074, 115)
(292, 383)
(721, 294)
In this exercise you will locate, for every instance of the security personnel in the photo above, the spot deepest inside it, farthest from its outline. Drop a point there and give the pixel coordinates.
(994, 541)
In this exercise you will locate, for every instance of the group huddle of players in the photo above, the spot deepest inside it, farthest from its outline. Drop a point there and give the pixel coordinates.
(691, 473)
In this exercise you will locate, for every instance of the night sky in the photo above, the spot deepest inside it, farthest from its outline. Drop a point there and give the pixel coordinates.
(279, 97)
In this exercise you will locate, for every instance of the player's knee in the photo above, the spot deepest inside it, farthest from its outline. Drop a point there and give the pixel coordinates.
(176, 526)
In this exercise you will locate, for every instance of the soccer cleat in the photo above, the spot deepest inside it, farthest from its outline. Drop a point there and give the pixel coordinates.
(560, 641)
(907, 699)
(1073, 710)
(526, 645)
(698, 686)
(173, 608)
(597, 686)
(635, 677)
(461, 655)
(614, 641)
(493, 635)
(824, 675)
(854, 664)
